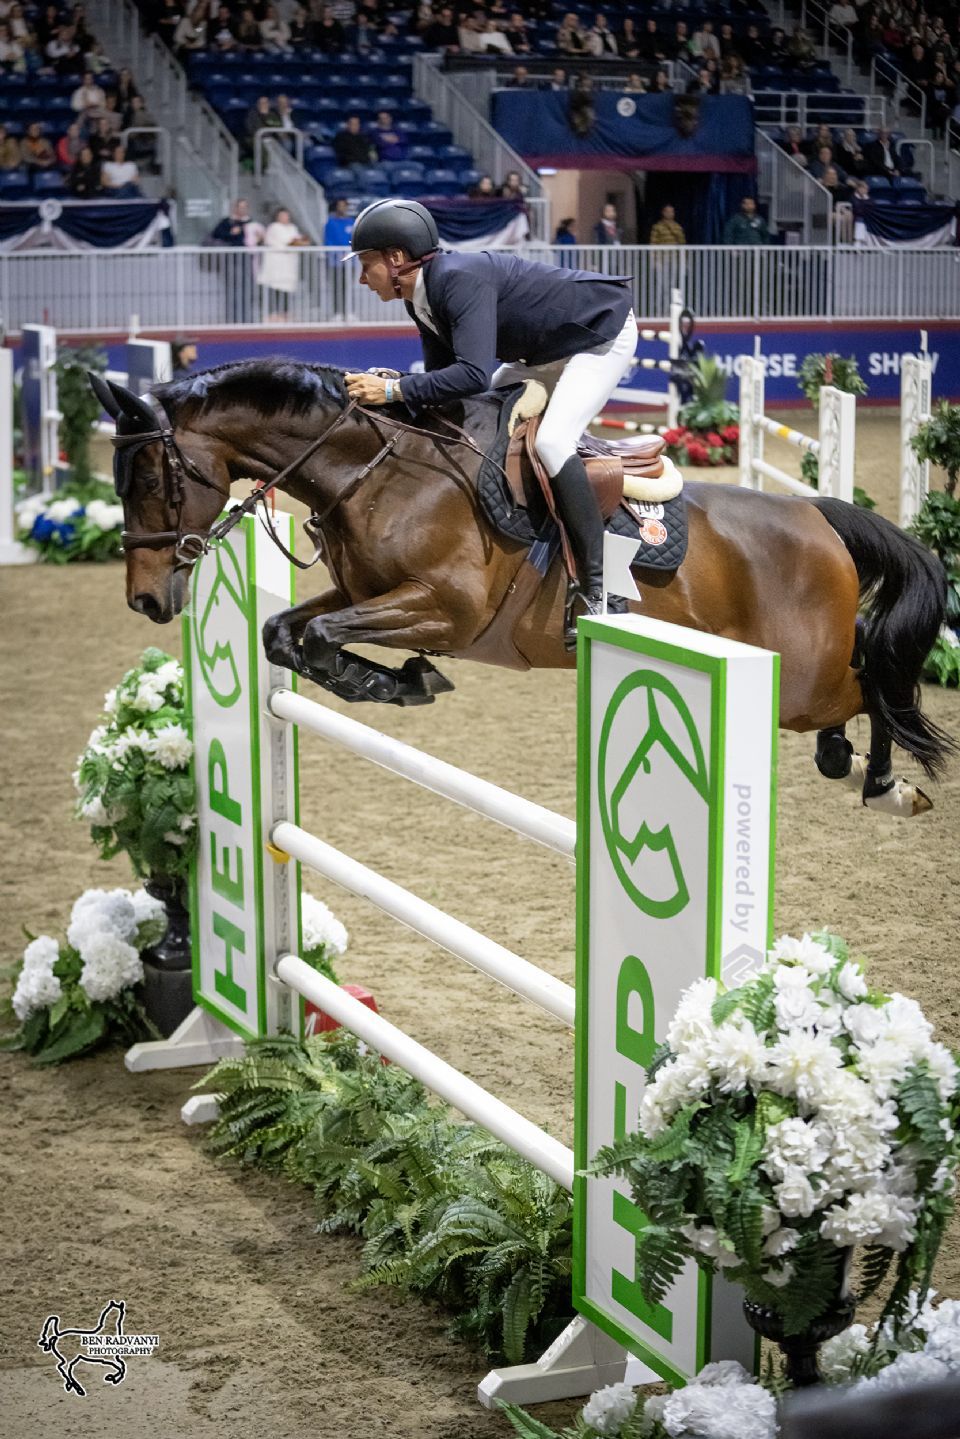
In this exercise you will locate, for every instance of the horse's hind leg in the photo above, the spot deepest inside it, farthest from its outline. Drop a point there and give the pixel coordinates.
(70, 1384)
(881, 789)
(408, 617)
(836, 757)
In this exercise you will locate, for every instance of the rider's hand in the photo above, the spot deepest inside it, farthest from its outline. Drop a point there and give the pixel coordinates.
(368, 389)
(384, 374)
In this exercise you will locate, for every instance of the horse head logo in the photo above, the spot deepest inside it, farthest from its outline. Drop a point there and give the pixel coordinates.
(220, 623)
(664, 767)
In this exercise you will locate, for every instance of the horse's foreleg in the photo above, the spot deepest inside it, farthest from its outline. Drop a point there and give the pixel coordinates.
(407, 617)
(283, 632)
(881, 789)
(837, 759)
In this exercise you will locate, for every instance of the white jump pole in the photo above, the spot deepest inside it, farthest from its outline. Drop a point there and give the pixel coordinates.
(451, 934)
(519, 1134)
(834, 448)
(525, 818)
(916, 401)
(12, 552)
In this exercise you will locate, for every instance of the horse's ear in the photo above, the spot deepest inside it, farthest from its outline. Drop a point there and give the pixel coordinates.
(101, 389)
(132, 407)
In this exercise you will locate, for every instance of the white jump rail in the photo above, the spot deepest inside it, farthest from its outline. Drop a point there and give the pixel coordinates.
(834, 448)
(916, 402)
(517, 1132)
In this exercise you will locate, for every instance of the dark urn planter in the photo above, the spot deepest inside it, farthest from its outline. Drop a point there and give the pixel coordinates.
(800, 1350)
(168, 964)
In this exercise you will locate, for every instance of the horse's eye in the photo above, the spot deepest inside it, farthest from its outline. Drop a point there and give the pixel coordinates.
(151, 484)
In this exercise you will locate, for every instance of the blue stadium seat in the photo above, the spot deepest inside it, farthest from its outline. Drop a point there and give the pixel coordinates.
(402, 172)
(469, 178)
(374, 180)
(49, 182)
(422, 152)
(442, 182)
(455, 155)
(340, 182)
(14, 185)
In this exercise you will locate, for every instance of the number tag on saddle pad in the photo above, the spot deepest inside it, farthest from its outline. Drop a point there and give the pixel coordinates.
(660, 528)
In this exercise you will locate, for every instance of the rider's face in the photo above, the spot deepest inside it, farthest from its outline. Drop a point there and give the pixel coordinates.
(375, 274)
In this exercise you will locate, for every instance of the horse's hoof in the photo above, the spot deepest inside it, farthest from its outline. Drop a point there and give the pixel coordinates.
(900, 799)
(420, 675)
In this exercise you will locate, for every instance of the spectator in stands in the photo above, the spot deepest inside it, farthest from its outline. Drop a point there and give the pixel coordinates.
(183, 356)
(607, 229)
(942, 95)
(87, 96)
(746, 227)
(652, 47)
(849, 154)
(794, 146)
(581, 111)
(601, 40)
(191, 32)
(882, 156)
(558, 79)
(517, 33)
(274, 32)
(570, 38)
(69, 145)
(168, 20)
(141, 148)
(387, 139)
(667, 230)
(361, 36)
(636, 85)
(442, 33)
(703, 84)
(478, 36)
(734, 79)
(83, 181)
(279, 273)
(125, 89)
(801, 51)
(679, 46)
(223, 31)
(512, 187)
(520, 79)
(233, 229)
(109, 113)
(120, 176)
(247, 31)
(565, 232)
(484, 189)
(339, 226)
(329, 35)
(300, 28)
(101, 139)
(36, 152)
(628, 41)
(11, 52)
(728, 42)
(261, 116)
(351, 146)
(661, 82)
(821, 136)
(824, 162)
(843, 13)
(832, 180)
(704, 45)
(47, 23)
(9, 151)
(916, 66)
(776, 52)
(753, 48)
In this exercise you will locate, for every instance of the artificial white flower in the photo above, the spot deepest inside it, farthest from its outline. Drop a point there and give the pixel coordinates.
(779, 1278)
(608, 1409)
(172, 747)
(809, 953)
(151, 918)
(876, 1218)
(653, 1413)
(907, 1024)
(93, 811)
(101, 911)
(169, 675)
(109, 966)
(796, 1008)
(801, 1064)
(850, 981)
(943, 1344)
(793, 1144)
(723, 1372)
(37, 986)
(839, 1356)
(320, 926)
(736, 1055)
(794, 1195)
(908, 1370)
(692, 1019)
(707, 1241)
(781, 1242)
(884, 1065)
(730, 1411)
(60, 510)
(104, 515)
(149, 694)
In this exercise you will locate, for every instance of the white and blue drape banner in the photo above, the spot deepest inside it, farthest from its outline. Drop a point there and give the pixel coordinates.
(881, 226)
(85, 225)
(479, 224)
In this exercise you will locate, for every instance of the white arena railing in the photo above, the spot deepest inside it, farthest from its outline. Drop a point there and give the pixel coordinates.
(193, 288)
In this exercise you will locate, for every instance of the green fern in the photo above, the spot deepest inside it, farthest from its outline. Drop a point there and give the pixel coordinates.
(660, 1254)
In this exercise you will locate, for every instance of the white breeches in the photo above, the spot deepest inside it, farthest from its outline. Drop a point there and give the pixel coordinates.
(578, 388)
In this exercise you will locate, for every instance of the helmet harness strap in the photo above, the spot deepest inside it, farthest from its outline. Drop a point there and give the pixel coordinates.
(397, 271)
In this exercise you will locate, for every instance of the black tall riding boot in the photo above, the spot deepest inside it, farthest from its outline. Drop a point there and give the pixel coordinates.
(578, 509)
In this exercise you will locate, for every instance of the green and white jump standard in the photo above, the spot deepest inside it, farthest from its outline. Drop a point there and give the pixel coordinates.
(673, 845)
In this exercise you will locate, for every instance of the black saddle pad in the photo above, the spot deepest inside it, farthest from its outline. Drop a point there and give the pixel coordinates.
(660, 530)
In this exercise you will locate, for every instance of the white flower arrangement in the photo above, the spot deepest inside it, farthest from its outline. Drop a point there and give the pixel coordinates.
(324, 937)
(826, 1114)
(71, 997)
(68, 526)
(135, 777)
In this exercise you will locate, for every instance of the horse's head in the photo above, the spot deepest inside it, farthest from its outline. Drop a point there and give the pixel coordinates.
(50, 1334)
(170, 498)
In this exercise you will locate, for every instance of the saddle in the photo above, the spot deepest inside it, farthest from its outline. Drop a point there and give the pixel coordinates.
(630, 467)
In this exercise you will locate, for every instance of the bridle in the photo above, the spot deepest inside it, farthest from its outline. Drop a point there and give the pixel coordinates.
(189, 546)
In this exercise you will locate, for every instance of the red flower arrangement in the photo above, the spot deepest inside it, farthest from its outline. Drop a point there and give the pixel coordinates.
(699, 447)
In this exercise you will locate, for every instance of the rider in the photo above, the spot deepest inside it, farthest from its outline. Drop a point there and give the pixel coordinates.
(570, 328)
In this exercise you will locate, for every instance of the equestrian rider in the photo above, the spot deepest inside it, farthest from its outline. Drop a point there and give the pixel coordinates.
(573, 330)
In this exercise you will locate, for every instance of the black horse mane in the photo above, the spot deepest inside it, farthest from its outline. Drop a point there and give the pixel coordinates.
(267, 386)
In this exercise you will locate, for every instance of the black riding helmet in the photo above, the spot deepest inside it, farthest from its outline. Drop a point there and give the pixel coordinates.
(395, 225)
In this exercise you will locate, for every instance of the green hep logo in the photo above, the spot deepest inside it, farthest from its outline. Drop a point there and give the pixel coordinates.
(664, 767)
(220, 623)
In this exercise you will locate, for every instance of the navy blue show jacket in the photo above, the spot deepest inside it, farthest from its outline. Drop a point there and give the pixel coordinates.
(490, 306)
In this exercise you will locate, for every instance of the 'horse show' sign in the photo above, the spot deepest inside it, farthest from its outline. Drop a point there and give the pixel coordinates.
(675, 822)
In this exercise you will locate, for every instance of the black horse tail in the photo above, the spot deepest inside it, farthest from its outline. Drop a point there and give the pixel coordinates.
(903, 591)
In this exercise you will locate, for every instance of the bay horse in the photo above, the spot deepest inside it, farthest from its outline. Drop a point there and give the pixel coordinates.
(415, 564)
